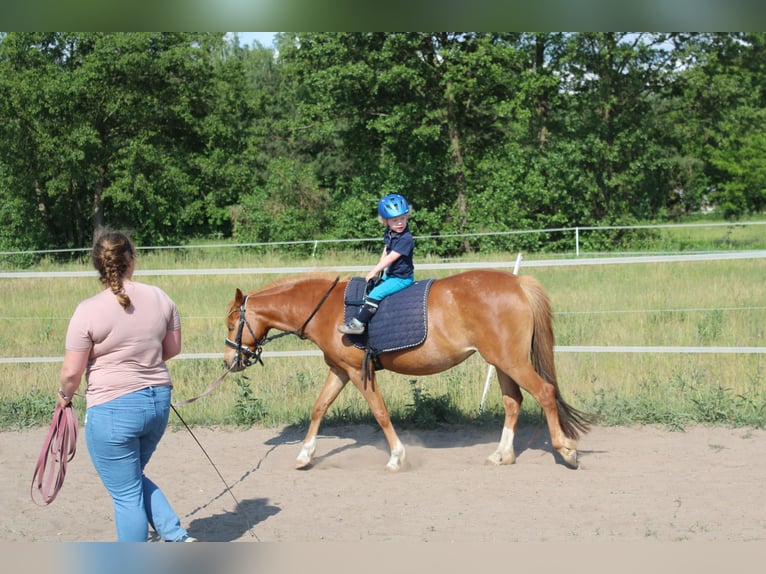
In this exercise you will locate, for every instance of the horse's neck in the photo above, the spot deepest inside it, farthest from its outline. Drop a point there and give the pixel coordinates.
(291, 304)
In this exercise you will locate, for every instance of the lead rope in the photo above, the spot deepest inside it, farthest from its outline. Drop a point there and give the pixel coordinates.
(59, 448)
(207, 391)
(228, 488)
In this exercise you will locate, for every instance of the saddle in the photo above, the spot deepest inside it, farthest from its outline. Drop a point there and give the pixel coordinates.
(401, 321)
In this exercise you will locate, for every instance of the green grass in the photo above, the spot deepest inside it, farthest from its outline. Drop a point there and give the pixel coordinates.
(711, 303)
(695, 234)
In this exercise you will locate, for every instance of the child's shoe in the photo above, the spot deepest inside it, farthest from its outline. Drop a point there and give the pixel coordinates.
(353, 327)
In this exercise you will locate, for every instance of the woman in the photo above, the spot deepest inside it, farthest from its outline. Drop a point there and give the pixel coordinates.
(120, 339)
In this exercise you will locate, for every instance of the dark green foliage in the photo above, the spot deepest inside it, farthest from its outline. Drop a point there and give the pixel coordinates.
(140, 131)
(177, 136)
(290, 206)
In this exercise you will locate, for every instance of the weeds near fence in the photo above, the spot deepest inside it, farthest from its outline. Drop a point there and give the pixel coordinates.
(248, 410)
(684, 399)
(31, 409)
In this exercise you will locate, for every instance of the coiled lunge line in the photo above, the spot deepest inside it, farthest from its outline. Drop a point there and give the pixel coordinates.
(58, 449)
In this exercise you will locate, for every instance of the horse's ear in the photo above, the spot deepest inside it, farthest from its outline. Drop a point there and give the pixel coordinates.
(238, 297)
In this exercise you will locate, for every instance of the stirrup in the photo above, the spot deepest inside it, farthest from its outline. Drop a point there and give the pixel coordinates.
(353, 327)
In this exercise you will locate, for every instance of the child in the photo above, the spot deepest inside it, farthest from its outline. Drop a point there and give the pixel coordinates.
(395, 261)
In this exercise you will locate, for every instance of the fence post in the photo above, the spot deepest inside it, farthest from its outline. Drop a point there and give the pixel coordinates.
(577, 241)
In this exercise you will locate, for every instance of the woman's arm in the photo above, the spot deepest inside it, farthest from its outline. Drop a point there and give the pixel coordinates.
(71, 373)
(171, 344)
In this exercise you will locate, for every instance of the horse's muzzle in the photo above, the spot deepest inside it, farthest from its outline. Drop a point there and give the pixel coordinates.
(243, 356)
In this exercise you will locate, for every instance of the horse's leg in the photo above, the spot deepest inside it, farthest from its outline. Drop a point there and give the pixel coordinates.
(545, 394)
(371, 393)
(512, 398)
(333, 385)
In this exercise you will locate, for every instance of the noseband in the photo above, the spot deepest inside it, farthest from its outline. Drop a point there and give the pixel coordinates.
(245, 357)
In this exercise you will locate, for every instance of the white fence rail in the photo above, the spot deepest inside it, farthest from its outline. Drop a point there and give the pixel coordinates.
(557, 348)
(621, 260)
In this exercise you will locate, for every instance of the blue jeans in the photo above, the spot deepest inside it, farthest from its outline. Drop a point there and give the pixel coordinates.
(121, 437)
(389, 286)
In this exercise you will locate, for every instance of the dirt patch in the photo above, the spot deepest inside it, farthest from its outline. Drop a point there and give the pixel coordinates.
(633, 484)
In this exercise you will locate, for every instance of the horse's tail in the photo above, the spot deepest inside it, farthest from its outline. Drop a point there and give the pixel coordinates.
(573, 421)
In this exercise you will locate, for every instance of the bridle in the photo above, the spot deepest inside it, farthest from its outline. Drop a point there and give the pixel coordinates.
(246, 356)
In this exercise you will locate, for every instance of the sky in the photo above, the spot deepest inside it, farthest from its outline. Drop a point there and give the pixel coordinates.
(247, 38)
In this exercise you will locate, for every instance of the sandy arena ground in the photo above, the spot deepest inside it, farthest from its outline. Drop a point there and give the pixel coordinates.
(634, 484)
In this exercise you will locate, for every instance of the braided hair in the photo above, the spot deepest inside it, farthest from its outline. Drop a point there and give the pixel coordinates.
(112, 255)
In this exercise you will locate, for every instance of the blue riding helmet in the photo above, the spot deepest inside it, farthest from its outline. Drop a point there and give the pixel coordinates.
(393, 205)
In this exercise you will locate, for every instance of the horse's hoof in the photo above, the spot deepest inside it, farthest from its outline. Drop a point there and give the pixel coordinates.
(569, 456)
(302, 465)
(303, 461)
(395, 464)
(500, 459)
(397, 458)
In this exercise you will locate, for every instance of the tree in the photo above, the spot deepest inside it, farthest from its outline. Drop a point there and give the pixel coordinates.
(604, 128)
(411, 111)
(181, 135)
(129, 130)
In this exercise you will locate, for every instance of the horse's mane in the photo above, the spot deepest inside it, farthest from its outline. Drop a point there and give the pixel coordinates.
(291, 280)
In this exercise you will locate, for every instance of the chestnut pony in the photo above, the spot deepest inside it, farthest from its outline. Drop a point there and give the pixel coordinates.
(506, 318)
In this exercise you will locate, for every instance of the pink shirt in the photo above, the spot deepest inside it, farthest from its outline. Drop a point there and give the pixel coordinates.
(125, 347)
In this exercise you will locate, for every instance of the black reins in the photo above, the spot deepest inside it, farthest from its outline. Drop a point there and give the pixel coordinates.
(245, 356)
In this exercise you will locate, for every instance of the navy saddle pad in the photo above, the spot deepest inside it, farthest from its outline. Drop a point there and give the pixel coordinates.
(401, 321)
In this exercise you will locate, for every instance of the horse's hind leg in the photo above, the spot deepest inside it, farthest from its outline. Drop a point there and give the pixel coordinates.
(512, 397)
(333, 385)
(545, 394)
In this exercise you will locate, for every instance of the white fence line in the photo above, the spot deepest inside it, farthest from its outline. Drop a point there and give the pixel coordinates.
(316, 242)
(557, 348)
(617, 260)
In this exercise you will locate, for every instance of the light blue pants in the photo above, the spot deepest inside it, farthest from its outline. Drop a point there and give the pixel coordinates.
(389, 286)
(121, 437)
